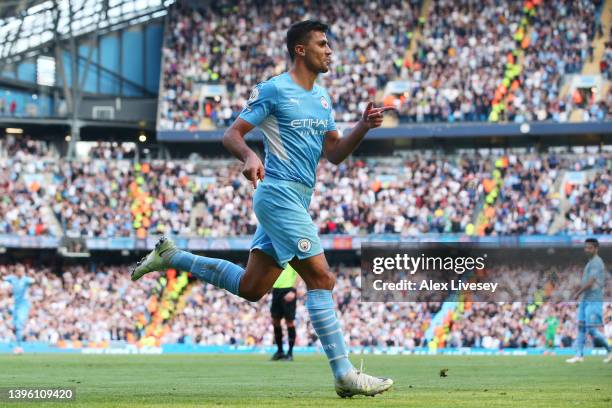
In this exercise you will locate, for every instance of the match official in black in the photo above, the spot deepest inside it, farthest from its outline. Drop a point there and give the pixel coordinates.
(284, 300)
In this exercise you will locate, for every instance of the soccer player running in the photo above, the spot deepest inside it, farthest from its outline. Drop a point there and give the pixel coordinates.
(284, 300)
(295, 116)
(590, 309)
(21, 305)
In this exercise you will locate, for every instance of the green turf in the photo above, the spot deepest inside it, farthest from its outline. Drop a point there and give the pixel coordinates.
(252, 380)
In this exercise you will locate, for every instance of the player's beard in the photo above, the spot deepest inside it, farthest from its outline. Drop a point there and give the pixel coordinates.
(323, 68)
(318, 68)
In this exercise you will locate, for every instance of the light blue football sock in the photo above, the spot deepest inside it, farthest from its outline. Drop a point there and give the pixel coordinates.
(20, 320)
(219, 272)
(598, 337)
(321, 308)
(18, 334)
(580, 339)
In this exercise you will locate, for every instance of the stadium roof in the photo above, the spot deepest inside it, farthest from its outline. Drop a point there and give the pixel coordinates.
(28, 24)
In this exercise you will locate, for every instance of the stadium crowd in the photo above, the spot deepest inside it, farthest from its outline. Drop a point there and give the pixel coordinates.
(590, 205)
(91, 198)
(213, 44)
(528, 200)
(99, 303)
(22, 190)
(82, 303)
(468, 47)
(223, 319)
(513, 325)
(112, 151)
(554, 51)
(527, 203)
(408, 196)
(459, 60)
(418, 192)
(463, 52)
(96, 303)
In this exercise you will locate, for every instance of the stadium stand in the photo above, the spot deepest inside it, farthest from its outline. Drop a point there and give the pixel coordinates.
(80, 304)
(531, 195)
(423, 192)
(22, 188)
(468, 57)
(198, 50)
(94, 305)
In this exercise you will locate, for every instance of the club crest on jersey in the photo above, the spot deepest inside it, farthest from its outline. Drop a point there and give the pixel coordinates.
(324, 103)
(254, 95)
(304, 245)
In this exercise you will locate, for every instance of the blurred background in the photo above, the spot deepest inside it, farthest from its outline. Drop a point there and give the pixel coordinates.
(111, 119)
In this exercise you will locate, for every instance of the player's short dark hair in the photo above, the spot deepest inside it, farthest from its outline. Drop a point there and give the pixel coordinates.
(298, 34)
(593, 241)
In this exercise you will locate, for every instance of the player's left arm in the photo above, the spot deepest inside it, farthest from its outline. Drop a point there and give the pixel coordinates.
(585, 287)
(337, 148)
(596, 276)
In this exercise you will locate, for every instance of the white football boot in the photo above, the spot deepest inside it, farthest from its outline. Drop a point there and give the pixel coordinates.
(575, 359)
(358, 383)
(156, 260)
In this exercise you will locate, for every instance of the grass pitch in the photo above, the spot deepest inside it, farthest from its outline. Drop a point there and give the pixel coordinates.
(253, 381)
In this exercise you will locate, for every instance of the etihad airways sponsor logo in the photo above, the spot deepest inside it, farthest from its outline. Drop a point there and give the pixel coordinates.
(308, 123)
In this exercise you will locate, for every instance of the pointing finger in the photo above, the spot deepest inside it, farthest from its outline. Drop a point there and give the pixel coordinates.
(382, 109)
(374, 114)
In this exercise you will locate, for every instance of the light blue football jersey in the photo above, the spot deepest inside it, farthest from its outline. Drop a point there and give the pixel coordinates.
(595, 268)
(294, 122)
(20, 289)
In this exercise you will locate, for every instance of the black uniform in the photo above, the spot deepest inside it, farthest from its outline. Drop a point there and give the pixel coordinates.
(280, 308)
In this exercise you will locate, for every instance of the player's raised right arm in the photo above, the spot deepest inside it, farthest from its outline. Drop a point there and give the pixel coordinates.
(233, 140)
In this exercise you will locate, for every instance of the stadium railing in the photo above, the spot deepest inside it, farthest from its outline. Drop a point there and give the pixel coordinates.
(329, 242)
(428, 130)
(125, 348)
